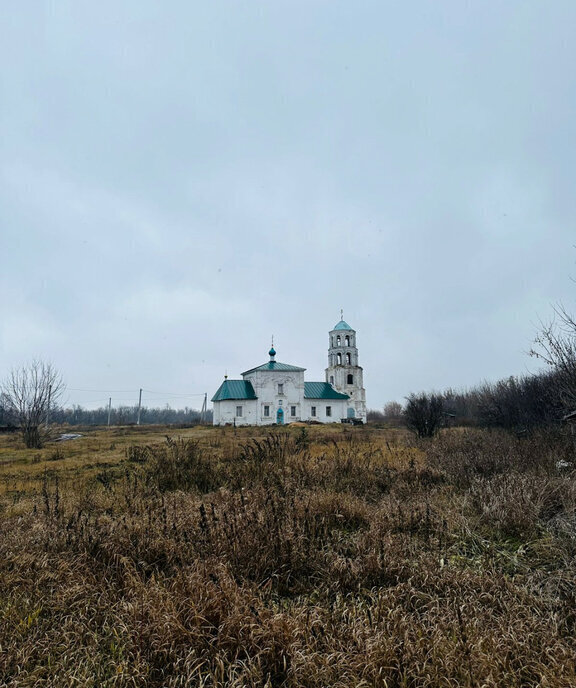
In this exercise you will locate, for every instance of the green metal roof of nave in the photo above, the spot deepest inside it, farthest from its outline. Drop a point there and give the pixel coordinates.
(235, 389)
(322, 390)
(276, 365)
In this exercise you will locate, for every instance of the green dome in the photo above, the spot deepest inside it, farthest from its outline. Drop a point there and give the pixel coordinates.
(342, 325)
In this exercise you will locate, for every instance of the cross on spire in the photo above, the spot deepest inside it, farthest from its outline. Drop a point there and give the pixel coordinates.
(341, 314)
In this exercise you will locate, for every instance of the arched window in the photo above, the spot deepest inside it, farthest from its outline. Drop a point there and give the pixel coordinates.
(348, 358)
(347, 340)
(338, 359)
(350, 380)
(331, 379)
(338, 340)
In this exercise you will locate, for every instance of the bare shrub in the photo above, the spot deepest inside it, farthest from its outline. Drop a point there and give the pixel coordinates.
(424, 413)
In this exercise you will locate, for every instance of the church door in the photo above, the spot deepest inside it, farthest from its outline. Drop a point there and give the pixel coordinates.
(280, 416)
(351, 413)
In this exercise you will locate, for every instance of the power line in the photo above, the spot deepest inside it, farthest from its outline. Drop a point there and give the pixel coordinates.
(135, 392)
(173, 394)
(103, 391)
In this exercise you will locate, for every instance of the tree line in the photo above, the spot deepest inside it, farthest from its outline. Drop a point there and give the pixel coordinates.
(30, 402)
(517, 403)
(127, 415)
(119, 415)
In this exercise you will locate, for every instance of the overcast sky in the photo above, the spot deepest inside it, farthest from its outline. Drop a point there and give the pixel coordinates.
(179, 180)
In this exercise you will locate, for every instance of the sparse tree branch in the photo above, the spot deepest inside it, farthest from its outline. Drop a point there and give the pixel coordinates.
(555, 345)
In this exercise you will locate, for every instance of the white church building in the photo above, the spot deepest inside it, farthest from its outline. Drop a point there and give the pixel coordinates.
(276, 393)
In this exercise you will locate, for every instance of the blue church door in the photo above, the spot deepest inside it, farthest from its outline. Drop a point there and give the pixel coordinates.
(280, 416)
(351, 413)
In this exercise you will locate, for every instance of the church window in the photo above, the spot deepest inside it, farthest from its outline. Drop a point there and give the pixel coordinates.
(338, 340)
(292, 411)
(350, 379)
(328, 411)
(267, 411)
(331, 379)
(280, 388)
(347, 340)
(313, 411)
(339, 359)
(348, 359)
(239, 411)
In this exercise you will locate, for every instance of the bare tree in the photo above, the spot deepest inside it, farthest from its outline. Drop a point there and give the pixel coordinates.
(556, 346)
(28, 394)
(392, 410)
(424, 414)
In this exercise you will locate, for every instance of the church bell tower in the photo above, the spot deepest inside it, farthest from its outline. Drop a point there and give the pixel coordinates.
(343, 371)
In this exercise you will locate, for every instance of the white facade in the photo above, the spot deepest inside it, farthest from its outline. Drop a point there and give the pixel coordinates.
(276, 393)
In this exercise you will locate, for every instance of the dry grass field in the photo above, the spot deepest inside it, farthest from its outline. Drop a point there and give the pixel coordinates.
(300, 556)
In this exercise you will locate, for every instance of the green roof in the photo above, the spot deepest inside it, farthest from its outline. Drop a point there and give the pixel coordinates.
(235, 389)
(342, 325)
(276, 365)
(322, 390)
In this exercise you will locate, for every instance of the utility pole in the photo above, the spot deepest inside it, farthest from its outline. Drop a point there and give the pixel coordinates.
(48, 405)
(109, 409)
(139, 407)
(203, 411)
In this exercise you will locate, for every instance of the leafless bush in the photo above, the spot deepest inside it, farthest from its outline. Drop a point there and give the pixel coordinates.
(424, 414)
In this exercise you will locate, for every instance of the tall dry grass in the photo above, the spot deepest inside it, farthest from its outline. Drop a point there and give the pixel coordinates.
(292, 559)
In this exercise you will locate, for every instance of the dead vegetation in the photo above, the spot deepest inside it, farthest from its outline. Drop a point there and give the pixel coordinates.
(303, 557)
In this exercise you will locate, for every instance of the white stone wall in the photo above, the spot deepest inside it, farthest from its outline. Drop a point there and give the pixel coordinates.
(253, 411)
(225, 412)
(338, 410)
